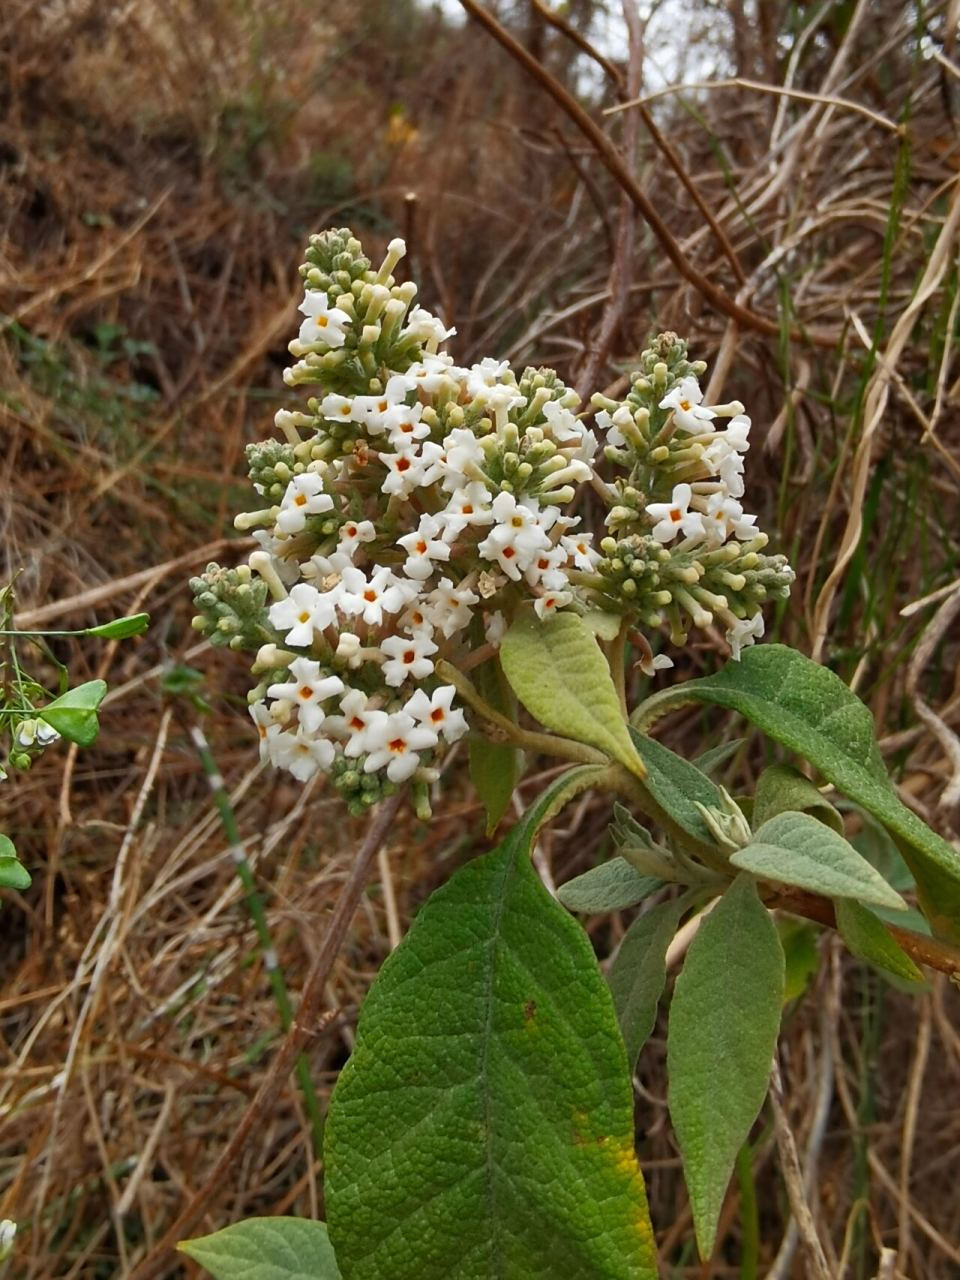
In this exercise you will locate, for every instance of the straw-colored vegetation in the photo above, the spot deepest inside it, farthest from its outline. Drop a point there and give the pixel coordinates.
(162, 164)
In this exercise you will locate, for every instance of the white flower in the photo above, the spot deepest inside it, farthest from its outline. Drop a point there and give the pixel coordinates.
(611, 425)
(463, 457)
(352, 533)
(407, 656)
(323, 323)
(450, 607)
(394, 742)
(402, 424)
(724, 515)
(337, 408)
(304, 612)
(423, 547)
(431, 373)
(426, 327)
(269, 721)
(301, 754)
(689, 413)
(468, 505)
(357, 718)
(579, 548)
(437, 712)
(373, 597)
(545, 569)
(563, 424)
(304, 497)
(651, 665)
(548, 604)
(35, 733)
(674, 516)
(417, 618)
(308, 690)
(485, 374)
(518, 536)
(744, 633)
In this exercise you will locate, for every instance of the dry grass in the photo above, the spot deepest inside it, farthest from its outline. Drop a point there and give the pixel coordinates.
(162, 164)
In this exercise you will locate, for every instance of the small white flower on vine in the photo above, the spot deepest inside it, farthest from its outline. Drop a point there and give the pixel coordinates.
(546, 569)
(563, 425)
(394, 743)
(407, 656)
(463, 456)
(405, 471)
(307, 691)
(304, 612)
(304, 497)
(743, 633)
(423, 547)
(431, 373)
(518, 535)
(323, 323)
(675, 516)
(485, 374)
(724, 515)
(494, 628)
(437, 712)
(611, 424)
(689, 411)
(654, 663)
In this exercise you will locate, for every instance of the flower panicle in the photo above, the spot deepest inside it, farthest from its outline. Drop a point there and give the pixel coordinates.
(412, 507)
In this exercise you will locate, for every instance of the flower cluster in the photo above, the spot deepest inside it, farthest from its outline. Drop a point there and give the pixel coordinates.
(413, 507)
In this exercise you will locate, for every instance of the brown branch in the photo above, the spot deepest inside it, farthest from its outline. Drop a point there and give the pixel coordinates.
(935, 953)
(303, 1027)
(612, 160)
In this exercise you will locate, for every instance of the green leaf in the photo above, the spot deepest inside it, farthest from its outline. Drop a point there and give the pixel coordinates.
(13, 874)
(716, 757)
(794, 848)
(558, 672)
(121, 628)
(7, 848)
(266, 1249)
(74, 713)
(612, 886)
(605, 625)
(484, 1125)
(722, 1033)
(639, 973)
(677, 786)
(495, 767)
(782, 788)
(867, 939)
(810, 710)
(799, 942)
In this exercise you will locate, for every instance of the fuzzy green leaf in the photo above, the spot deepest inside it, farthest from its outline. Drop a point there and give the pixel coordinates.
(74, 713)
(867, 939)
(495, 767)
(484, 1125)
(677, 786)
(266, 1249)
(810, 710)
(613, 886)
(794, 848)
(121, 628)
(782, 788)
(558, 672)
(724, 1021)
(639, 973)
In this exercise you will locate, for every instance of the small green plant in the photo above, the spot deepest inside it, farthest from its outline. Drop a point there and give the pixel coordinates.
(32, 718)
(420, 577)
